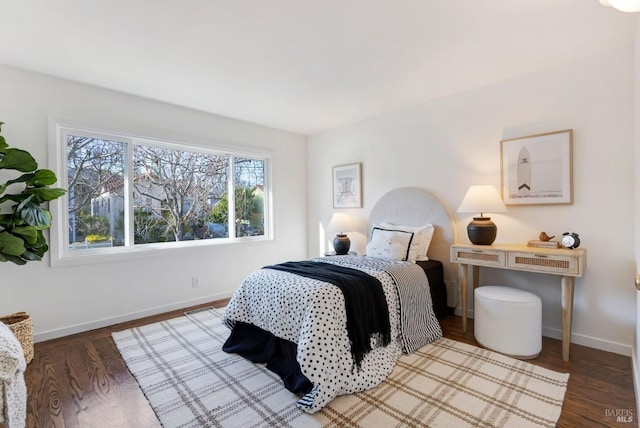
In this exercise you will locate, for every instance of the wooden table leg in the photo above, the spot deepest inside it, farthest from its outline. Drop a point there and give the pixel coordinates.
(462, 269)
(567, 314)
(475, 276)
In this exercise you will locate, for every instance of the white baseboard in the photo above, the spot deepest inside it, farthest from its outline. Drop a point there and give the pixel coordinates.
(105, 322)
(578, 339)
(590, 341)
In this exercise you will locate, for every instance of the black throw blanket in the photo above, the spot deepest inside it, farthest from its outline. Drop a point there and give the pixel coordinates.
(366, 305)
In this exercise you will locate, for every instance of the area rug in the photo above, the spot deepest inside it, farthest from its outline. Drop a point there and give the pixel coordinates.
(190, 382)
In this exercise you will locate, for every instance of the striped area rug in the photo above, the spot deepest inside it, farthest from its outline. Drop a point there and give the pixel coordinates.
(190, 382)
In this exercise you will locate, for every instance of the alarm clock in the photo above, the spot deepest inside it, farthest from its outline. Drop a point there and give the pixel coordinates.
(570, 240)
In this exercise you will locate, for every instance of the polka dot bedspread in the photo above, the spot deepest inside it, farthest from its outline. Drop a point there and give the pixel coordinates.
(311, 313)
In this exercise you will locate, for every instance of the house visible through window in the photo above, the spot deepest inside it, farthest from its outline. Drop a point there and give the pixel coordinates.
(126, 192)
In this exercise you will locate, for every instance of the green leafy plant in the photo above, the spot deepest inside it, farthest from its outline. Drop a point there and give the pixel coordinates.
(22, 225)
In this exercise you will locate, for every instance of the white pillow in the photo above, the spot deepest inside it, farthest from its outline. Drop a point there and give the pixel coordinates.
(389, 244)
(421, 241)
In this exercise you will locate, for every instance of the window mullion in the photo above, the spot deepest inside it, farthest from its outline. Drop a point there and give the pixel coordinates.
(128, 196)
(232, 197)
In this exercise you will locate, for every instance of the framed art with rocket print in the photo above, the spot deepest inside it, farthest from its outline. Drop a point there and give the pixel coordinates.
(537, 169)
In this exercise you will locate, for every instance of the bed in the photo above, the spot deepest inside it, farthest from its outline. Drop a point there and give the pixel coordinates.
(324, 332)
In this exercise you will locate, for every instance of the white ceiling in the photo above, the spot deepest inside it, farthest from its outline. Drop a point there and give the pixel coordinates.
(302, 65)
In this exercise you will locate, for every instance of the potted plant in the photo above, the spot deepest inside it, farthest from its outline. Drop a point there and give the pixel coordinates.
(23, 222)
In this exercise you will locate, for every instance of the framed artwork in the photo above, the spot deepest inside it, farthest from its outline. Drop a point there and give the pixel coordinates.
(347, 186)
(537, 169)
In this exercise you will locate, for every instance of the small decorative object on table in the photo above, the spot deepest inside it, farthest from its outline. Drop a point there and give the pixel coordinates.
(545, 237)
(21, 325)
(570, 240)
(544, 241)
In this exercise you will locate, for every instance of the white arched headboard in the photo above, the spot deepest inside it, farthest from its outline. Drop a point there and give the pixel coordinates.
(413, 206)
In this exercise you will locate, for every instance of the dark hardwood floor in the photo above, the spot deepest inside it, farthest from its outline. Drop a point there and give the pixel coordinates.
(81, 381)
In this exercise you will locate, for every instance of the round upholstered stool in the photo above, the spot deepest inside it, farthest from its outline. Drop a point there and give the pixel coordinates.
(508, 320)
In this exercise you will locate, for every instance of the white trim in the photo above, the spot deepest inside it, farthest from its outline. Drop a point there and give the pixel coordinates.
(129, 237)
(214, 145)
(116, 254)
(106, 322)
(590, 341)
(636, 377)
(231, 201)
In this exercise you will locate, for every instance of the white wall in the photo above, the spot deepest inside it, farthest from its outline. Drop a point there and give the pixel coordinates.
(68, 299)
(448, 144)
(636, 353)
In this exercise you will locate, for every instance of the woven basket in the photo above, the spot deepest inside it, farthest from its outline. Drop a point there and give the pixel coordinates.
(21, 325)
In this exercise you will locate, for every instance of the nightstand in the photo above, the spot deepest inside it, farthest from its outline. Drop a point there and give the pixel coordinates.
(333, 253)
(568, 264)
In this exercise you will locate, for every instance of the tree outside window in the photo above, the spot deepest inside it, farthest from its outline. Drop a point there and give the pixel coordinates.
(170, 193)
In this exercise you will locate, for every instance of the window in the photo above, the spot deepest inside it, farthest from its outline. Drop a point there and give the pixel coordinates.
(131, 194)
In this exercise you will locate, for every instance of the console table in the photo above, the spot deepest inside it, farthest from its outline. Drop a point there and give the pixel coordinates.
(568, 264)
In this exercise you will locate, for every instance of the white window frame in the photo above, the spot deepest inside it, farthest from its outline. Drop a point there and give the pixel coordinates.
(60, 255)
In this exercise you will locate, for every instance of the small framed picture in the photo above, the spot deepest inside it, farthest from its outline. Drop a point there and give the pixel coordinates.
(347, 186)
(537, 169)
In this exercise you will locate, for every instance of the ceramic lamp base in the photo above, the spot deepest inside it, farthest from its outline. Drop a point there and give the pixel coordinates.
(341, 244)
(482, 231)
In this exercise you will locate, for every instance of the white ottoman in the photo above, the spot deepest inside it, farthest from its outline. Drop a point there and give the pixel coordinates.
(508, 320)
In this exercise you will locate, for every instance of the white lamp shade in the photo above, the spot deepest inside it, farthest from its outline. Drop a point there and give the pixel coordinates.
(482, 198)
(340, 222)
(623, 5)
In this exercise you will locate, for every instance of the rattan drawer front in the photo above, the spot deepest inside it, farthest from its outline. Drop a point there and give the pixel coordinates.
(478, 257)
(544, 263)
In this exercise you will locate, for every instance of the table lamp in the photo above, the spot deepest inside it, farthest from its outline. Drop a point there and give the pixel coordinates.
(482, 199)
(341, 222)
